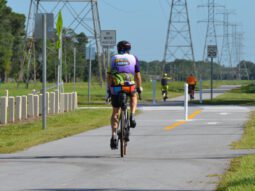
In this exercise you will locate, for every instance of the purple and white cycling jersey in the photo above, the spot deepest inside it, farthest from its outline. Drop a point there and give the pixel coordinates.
(125, 63)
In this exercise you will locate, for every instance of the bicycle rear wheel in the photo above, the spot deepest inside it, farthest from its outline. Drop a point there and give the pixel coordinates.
(122, 134)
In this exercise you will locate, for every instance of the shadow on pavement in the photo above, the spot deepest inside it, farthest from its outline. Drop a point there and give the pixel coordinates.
(116, 156)
(113, 189)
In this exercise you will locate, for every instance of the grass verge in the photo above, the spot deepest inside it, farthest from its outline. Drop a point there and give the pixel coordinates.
(241, 174)
(19, 136)
(242, 96)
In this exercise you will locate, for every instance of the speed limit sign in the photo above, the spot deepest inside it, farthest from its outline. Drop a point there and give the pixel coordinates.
(212, 51)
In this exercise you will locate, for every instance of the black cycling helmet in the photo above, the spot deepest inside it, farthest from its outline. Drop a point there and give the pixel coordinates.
(123, 46)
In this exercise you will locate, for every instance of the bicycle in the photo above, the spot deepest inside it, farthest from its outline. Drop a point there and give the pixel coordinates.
(124, 124)
(191, 91)
(164, 93)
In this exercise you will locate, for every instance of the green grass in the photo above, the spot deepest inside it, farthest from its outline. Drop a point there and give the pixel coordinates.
(22, 135)
(241, 174)
(241, 96)
(248, 139)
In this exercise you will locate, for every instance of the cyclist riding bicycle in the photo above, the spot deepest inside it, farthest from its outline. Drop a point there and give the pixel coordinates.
(191, 81)
(123, 75)
(164, 86)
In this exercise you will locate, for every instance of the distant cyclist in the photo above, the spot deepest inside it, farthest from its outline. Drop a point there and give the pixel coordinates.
(164, 86)
(123, 72)
(191, 81)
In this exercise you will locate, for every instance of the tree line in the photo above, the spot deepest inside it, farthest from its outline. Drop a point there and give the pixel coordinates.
(13, 45)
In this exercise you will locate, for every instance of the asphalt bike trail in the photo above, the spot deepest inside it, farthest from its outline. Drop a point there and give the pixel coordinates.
(165, 153)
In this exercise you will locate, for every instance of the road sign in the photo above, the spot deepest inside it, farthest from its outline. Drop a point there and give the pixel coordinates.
(212, 51)
(108, 38)
(39, 26)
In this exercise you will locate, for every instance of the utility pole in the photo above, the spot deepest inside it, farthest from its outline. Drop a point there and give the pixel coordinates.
(85, 17)
(179, 39)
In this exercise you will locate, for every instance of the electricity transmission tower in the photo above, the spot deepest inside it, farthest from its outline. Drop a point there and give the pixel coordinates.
(79, 15)
(211, 35)
(237, 46)
(178, 40)
(226, 56)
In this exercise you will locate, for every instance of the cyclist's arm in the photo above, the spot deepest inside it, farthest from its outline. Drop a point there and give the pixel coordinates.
(138, 79)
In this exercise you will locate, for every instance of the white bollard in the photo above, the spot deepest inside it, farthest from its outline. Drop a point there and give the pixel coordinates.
(24, 107)
(30, 105)
(57, 101)
(52, 103)
(201, 91)
(36, 105)
(186, 101)
(11, 106)
(3, 111)
(18, 107)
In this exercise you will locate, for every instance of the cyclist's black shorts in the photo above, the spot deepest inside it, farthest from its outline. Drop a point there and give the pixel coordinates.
(116, 100)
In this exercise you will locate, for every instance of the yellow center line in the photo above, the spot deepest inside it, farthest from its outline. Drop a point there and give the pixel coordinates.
(192, 116)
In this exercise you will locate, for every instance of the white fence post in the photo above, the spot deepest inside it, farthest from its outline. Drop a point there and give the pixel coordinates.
(36, 105)
(66, 102)
(24, 107)
(52, 103)
(57, 101)
(11, 106)
(3, 113)
(70, 102)
(47, 102)
(75, 100)
(18, 107)
(186, 101)
(62, 102)
(30, 105)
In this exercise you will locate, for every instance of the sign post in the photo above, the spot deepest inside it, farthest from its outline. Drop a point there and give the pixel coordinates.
(43, 30)
(108, 40)
(212, 53)
(90, 54)
(59, 27)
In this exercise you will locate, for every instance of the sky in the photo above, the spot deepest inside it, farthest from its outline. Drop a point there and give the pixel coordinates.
(144, 23)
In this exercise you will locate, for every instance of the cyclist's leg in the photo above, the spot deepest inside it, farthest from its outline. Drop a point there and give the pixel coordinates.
(114, 121)
(133, 105)
(193, 91)
(166, 89)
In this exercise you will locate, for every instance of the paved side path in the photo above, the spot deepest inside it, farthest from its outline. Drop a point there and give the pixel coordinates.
(184, 157)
